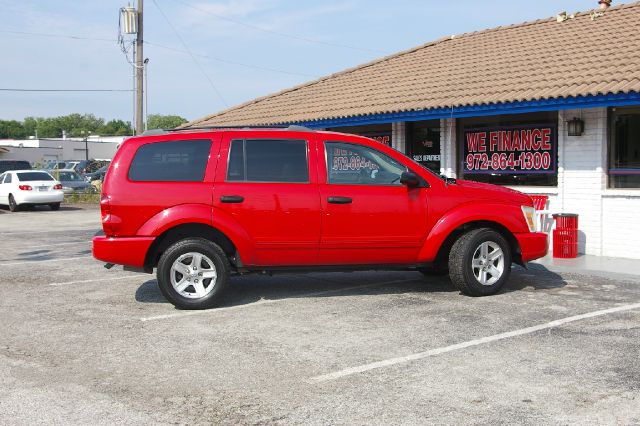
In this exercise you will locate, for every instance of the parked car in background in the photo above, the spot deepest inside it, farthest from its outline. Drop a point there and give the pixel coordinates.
(20, 188)
(90, 166)
(98, 174)
(62, 165)
(72, 181)
(6, 165)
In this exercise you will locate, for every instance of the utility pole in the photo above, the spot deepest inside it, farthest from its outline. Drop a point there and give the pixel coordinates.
(139, 73)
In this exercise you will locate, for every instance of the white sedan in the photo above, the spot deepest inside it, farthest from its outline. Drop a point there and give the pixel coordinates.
(29, 187)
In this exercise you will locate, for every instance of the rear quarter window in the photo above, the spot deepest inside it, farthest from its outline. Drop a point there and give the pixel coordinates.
(175, 161)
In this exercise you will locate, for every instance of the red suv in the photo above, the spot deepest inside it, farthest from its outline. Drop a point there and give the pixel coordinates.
(200, 205)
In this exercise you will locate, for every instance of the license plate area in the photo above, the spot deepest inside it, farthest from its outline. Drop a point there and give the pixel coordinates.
(43, 188)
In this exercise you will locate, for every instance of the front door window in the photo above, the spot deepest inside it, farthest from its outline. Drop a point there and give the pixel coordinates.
(349, 164)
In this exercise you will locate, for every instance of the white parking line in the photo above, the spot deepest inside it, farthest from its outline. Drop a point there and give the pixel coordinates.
(464, 345)
(93, 281)
(45, 260)
(87, 230)
(268, 302)
(44, 245)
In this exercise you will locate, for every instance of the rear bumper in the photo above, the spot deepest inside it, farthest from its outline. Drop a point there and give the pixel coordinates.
(36, 197)
(533, 245)
(129, 251)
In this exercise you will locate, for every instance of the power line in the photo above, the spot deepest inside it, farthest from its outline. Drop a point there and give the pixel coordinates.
(226, 61)
(64, 90)
(215, 89)
(74, 37)
(266, 30)
(213, 58)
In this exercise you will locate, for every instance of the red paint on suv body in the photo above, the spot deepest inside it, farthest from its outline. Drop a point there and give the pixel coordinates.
(304, 224)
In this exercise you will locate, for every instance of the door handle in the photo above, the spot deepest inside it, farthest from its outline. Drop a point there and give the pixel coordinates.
(340, 200)
(233, 199)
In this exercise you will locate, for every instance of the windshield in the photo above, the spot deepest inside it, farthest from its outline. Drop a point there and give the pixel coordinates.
(70, 176)
(33, 176)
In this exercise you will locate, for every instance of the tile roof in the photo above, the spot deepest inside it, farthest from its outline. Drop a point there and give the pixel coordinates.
(542, 59)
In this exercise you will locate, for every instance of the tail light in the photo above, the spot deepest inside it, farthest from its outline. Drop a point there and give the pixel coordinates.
(25, 187)
(57, 186)
(105, 210)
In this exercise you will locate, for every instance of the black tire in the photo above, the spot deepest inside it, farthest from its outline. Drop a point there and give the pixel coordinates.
(462, 271)
(13, 206)
(206, 248)
(55, 206)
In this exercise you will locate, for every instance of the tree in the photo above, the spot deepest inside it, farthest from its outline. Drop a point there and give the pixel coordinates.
(11, 129)
(79, 125)
(116, 128)
(157, 121)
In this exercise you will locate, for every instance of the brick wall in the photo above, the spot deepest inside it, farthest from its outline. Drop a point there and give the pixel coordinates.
(582, 174)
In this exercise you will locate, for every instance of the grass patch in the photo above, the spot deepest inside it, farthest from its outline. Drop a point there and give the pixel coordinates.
(82, 198)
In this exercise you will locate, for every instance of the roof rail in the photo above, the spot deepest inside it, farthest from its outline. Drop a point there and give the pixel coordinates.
(291, 127)
(154, 132)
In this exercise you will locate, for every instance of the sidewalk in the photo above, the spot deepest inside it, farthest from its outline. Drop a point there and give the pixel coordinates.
(591, 265)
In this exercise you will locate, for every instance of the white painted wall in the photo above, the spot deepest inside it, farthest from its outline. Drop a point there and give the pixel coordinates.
(37, 150)
(448, 148)
(399, 136)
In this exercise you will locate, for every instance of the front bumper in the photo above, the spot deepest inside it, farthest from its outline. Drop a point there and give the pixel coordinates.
(533, 245)
(129, 251)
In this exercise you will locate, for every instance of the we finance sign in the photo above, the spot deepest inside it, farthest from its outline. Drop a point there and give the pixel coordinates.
(530, 149)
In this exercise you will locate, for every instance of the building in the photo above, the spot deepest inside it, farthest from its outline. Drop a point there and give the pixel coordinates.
(48, 150)
(546, 107)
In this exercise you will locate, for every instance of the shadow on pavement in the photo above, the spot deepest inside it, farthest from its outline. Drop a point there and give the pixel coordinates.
(536, 276)
(253, 288)
(23, 209)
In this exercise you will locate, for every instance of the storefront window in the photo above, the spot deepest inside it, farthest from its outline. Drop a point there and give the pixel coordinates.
(624, 152)
(516, 150)
(377, 132)
(423, 143)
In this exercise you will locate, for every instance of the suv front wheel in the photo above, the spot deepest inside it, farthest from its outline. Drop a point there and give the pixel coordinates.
(193, 274)
(480, 262)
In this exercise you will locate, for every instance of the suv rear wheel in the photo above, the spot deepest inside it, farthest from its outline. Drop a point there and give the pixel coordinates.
(480, 262)
(193, 274)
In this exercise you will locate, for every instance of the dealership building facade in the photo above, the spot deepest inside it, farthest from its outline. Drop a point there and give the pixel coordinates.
(550, 107)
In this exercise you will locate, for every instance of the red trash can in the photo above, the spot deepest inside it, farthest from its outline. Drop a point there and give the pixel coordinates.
(565, 236)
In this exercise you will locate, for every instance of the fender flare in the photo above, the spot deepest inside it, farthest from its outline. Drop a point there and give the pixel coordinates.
(508, 216)
(203, 214)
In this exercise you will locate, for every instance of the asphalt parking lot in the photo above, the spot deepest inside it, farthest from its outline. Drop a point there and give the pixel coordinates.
(80, 344)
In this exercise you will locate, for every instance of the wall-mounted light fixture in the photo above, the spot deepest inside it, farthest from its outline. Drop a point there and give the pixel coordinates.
(575, 127)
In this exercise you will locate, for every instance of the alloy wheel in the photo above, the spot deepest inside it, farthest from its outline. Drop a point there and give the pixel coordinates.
(193, 275)
(487, 263)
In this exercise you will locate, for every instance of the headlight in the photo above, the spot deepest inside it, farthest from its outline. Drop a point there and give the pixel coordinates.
(529, 213)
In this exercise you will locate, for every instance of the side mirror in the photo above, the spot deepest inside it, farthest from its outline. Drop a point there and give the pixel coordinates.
(410, 179)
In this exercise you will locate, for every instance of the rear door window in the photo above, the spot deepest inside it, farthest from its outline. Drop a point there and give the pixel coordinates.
(268, 160)
(175, 161)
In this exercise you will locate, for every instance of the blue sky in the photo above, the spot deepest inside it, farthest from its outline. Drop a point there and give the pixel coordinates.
(177, 85)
